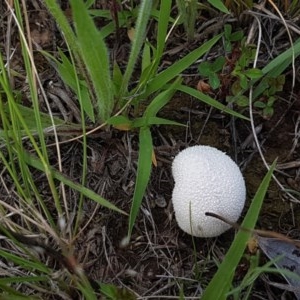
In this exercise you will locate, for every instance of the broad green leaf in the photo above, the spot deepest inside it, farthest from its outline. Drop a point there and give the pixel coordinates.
(220, 285)
(62, 22)
(96, 57)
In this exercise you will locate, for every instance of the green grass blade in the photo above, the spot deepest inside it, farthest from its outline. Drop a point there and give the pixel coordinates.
(165, 76)
(26, 279)
(36, 163)
(143, 174)
(163, 22)
(219, 5)
(210, 101)
(14, 126)
(284, 59)
(150, 64)
(33, 81)
(68, 73)
(27, 113)
(63, 23)
(277, 66)
(162, 121)
(95, 55)
(24, 262)
(8, 293)
(138, 41)
(161, 100)
(220, 284)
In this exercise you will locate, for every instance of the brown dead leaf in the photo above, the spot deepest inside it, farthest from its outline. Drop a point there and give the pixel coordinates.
(131, 33)
(203, 87)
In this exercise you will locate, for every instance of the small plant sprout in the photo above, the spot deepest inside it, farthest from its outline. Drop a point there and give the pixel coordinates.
(206, 180)
(211, 70)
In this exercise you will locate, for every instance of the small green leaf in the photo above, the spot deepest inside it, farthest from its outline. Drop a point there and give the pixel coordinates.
(268, 111)
(218, 4)
(271, 101)
(259, 104)
(227, 46)
(236, 87)
(243, 60)
(237, 70)
(281, 79)
(214, 81)
(236, 36)
(243, 81)
(227, 31)
(254, 73)
(242, 101)
(205, 69)
(218, 64)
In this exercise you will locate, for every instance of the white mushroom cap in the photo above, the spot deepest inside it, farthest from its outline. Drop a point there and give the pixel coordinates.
(206, 180)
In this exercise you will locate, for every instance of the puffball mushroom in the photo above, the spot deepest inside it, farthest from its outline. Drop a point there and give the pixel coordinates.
(206, 180)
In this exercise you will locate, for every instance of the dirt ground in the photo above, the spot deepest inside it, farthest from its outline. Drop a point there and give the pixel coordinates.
(161, 260)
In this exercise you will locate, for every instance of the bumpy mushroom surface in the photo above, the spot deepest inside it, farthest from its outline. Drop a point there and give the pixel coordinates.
(206, 180)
